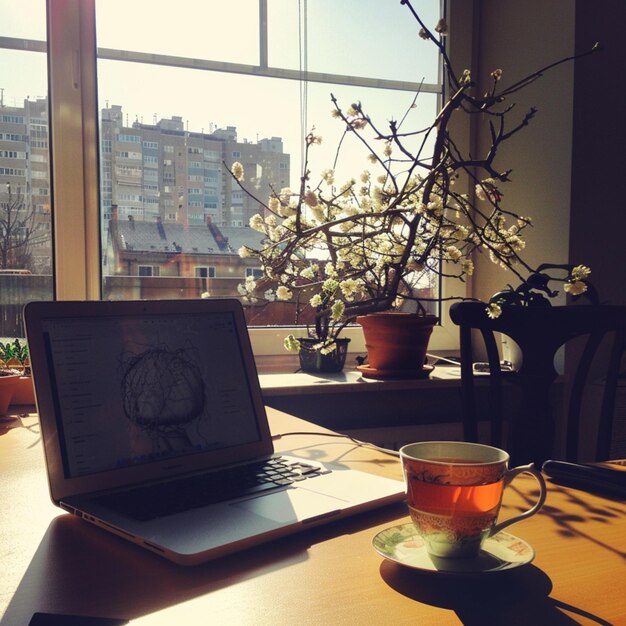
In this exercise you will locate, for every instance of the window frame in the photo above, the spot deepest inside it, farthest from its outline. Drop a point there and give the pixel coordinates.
(72, 61)
(155, 271)
(211, 271)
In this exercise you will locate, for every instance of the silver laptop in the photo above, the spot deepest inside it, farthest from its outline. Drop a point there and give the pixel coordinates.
(154, 429)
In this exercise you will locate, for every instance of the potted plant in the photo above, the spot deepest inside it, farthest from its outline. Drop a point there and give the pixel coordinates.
(9, 377)
(376, 243)
(15, 358)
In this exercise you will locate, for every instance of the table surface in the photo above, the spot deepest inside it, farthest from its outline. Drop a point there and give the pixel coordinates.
(53, 562)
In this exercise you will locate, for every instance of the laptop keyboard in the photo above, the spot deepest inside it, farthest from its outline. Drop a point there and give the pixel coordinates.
(153, 501)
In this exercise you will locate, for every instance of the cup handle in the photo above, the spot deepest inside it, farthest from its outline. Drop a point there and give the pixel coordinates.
(508, 477)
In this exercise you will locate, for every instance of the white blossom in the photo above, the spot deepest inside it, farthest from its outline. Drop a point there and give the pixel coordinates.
(580, 272)
(316, 300)
(257, 223)
(337, 310)
(494, 310)
(576, 288)
(307, 272)
(328, 176)
(283, 293)
(237, 171)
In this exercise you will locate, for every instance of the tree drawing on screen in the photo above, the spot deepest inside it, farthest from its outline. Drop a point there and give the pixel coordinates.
(162, 394)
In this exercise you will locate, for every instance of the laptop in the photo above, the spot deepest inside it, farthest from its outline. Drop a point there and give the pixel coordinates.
(154, 429)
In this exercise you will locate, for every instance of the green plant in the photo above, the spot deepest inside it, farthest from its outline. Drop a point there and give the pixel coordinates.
(14, 355)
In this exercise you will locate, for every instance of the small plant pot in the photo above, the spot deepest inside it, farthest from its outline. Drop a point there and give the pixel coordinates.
(24, 392)
(314, 361)
(7, 386)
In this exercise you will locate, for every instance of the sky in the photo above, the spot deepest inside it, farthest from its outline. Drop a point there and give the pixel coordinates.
(373, 37)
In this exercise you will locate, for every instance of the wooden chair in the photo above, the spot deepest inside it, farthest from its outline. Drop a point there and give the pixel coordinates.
(539, 332)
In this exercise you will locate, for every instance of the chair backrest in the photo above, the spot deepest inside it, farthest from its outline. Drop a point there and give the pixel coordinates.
(539, 332)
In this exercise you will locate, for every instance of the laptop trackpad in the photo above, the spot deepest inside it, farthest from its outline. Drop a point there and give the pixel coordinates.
(291, 505)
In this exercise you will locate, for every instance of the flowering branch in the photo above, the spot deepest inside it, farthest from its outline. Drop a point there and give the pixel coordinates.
(535, 290)
(378, 241)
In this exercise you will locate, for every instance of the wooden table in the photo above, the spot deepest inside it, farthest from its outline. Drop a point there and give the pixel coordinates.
(52, 562)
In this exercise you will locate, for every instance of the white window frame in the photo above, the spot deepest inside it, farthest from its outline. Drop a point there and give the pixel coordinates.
(74, 124)
(155, 271)
(254, 272)
(210, 269)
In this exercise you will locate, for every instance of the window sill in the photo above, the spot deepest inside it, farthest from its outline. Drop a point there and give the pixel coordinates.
(283, 379)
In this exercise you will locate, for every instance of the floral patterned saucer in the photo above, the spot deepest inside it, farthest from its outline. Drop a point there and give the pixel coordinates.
(403, 545)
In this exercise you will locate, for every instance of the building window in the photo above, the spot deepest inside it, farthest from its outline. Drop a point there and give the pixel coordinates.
(205, 272)
(129, 138)
(148, 270)
(254, 272)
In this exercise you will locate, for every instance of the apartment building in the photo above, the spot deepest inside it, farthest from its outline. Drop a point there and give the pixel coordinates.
(163, 170)
(149, 171)
(25, 241)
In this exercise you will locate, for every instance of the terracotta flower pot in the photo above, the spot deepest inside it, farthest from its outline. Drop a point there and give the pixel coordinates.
(7, 385)
(24, 392)
(396, 344)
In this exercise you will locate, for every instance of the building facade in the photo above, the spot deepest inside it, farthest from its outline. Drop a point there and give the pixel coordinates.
(25, 224)
(159, 172)
(165, 171)
(154, 259)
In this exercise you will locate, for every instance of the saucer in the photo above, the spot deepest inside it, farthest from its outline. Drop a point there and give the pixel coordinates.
(403, 545)
(372, 372)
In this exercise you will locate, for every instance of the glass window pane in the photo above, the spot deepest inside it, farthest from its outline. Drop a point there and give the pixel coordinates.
(25, 232)
(372, 38)
(186, 28)
(168, 136)
(24, 19)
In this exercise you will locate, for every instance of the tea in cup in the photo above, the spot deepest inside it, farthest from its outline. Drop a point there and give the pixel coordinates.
(454, 493)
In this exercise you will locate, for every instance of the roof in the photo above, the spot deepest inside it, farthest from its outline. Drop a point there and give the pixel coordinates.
(160, 237)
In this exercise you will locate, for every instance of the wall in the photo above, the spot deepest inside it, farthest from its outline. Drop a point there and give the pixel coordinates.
(568, 162)
(598, 207)
(519, 38)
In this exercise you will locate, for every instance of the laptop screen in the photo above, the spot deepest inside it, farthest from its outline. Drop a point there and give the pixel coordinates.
(130, 390)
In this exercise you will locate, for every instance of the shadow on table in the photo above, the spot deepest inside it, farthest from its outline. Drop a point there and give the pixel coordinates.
(83, 570)
(519, 597)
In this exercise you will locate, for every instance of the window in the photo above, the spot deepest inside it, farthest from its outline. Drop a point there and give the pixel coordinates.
(129, 138)
(254, 272)
(25, 234)
(139, 114)
(205, 272)
(148, 270)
